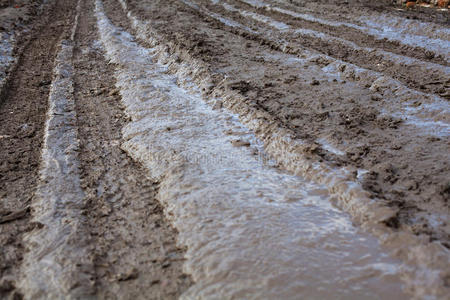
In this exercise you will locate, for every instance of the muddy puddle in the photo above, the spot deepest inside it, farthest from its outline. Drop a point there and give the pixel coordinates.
(251, 230)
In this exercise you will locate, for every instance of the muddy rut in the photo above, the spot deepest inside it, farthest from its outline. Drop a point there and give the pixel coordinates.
(354, 109)
(204, 149)
(122, 213)
(23, 110)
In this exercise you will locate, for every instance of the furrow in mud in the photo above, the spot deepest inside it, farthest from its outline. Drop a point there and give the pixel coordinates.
(432, 46)
(15, 25)
(57, 263)
(364, 123)
(176, 48)
(294, 38)
(385, 18)
(404, 101)
(133, 246)
(247, 226)
(7, 60)
(23, 108)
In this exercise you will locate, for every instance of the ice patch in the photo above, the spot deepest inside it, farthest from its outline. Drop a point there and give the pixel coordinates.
(438, 45)
(327, 146)
(249, 228)
(7, 42)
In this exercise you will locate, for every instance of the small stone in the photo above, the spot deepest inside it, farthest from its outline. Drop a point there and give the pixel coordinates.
(128, 275)
(375, 98)
(217, 105)
(114, 92)
(240, 143)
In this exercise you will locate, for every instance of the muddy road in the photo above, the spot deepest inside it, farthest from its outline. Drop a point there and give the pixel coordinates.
(209, 149)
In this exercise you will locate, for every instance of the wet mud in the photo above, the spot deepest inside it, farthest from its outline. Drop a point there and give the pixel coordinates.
(222, 67)
(98, 231)
(134, 248)
(23, 110)
(224, 149)
(407, 166)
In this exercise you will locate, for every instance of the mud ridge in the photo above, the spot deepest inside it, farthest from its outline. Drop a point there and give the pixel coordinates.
(57, 263)
(134, 250)
(296, 39)
(16, 35)
(23, 109)
(289, 151)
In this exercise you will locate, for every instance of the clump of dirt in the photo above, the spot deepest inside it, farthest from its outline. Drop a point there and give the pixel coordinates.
(17, 14)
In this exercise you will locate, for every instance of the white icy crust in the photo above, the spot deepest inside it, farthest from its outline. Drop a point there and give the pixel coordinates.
(57, 264)
(424, 263)
(7, 59)
(408, 32)
(431, 118)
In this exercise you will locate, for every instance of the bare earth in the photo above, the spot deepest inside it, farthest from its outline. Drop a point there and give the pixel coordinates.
(408, 168)
(374, 105)
(139, 260)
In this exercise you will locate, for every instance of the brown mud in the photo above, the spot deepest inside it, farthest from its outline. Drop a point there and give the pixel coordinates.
(133, 246)
(135, 255)
(341, 122)
(407, 167)
(23, 110)
(385, 6)
(356, 47)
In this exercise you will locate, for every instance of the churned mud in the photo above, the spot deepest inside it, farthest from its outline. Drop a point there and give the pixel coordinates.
(98, 230)
(224, 149)
(373, 117)
(23, 112)
(134, 250)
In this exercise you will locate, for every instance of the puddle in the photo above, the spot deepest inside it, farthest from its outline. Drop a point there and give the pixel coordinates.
(251, 230)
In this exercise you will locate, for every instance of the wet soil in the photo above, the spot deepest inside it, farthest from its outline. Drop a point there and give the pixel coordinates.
(135, 253)
(387, 6)
(407, 167)
(18, 14)
(352, 46)
(133, 246)
(23, 110)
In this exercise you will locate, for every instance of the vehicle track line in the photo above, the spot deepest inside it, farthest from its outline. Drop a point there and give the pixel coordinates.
(58, 265)
(398, 66)
(289, 152)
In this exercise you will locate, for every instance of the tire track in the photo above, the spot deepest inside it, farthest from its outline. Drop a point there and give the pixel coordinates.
(201, 49)
(432, 47)
(133, 246)
(333, 43)
(57, 264)
(23, 109)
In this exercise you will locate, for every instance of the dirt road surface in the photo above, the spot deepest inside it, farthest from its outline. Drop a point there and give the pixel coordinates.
(205, 149)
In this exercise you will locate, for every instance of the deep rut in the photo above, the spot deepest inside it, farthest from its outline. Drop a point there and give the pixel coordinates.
(347, 115)
(22, 113)
(134, 250)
